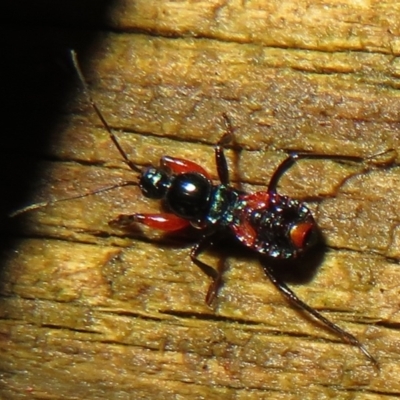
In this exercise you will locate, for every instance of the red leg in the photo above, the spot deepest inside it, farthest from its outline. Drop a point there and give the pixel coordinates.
(180, 166)
(165, 222)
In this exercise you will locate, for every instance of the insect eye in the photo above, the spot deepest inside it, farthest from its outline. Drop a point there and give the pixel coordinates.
(303, 235)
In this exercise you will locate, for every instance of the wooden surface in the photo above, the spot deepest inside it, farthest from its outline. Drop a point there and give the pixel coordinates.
(90, 312)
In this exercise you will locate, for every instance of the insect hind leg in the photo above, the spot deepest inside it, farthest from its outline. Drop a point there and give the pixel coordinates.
(292, 297)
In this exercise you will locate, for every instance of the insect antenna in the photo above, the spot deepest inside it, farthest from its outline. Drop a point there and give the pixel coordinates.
(130, 164)
(99, 114)
(47, 203)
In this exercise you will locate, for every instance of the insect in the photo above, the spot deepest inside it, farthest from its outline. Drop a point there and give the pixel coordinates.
(271, 224)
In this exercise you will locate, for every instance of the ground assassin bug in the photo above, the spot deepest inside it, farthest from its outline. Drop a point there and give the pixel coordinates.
(267, 222)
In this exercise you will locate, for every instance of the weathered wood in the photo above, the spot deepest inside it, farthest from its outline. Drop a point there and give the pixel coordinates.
(90, 312)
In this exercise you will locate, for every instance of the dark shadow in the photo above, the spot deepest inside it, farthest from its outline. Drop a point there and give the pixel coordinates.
(37, 82)
(300, 270)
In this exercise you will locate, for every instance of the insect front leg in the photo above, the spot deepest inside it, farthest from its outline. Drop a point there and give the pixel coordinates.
(181, 166)
(163, 221)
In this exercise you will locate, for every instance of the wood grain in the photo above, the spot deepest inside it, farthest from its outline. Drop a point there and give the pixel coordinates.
(91, 312)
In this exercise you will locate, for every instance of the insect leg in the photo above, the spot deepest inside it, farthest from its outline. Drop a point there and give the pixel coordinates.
(162, 221)
(220, 159)
(292, 297)
(215, 275)
(294, 157)
(180, 166)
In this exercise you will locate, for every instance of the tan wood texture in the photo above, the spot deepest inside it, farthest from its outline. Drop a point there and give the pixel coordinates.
(92, 312)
